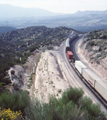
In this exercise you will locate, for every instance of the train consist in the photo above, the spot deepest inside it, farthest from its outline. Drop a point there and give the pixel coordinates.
(72, 36)
(94, 82)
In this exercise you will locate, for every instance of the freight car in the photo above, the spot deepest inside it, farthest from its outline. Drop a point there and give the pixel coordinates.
(79, 66)
(70, 54)
(90, 78)
(72, 36)
(68, 48)
(99, 85)
(94, 81)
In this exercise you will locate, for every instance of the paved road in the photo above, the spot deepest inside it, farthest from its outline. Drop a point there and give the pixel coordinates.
(72, 77)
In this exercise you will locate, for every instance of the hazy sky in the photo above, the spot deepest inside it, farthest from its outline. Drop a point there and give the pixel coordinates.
(60, 6)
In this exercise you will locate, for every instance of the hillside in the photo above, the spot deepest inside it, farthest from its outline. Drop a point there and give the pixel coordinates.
(17, 45)
(94, 48)
(4, 29)
(51, 100)
(37, 103)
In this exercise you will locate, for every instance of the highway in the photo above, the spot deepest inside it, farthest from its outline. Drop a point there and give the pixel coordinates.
(71, 76)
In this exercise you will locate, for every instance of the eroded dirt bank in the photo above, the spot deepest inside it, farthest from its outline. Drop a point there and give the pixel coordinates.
(21, 77)
(49, 79)
(99, 67)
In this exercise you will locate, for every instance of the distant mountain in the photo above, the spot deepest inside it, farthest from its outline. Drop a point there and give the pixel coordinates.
(83, 21)
(9, 11)
(84, 13)
(4, 29)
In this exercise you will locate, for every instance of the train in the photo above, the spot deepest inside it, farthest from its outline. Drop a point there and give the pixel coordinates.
(97, 85)
(71, 37)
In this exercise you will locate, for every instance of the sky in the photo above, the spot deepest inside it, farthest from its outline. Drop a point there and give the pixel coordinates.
(60, 6)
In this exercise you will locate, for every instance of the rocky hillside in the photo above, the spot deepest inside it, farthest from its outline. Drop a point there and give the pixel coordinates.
(4, 29)
(17, 45)
(95, 50)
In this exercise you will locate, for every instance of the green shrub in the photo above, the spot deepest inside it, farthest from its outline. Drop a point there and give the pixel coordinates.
(30, 81)
(12, 72)
(103, 56)
(71, 106)
(91, 109)
(15, 101)
(51, 82)
(92, 43)
(72, 94)
(59, 90)
(98, 55)
(34, 111)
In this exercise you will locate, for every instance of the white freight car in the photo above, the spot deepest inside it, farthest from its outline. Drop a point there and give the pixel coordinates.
(101, 87)
(90, 77)
(79, 66)
(98, 84)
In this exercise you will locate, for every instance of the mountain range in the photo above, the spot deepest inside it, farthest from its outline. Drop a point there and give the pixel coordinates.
(9, 11)
(83, 21)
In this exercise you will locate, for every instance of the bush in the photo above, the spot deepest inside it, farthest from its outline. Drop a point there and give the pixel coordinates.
(10, 115)
(71, 106)
(12, 72)
(34, 111)
(91, 109)
(15, 101)
(92, 43)
(72, 94)
(98, 55)
(57, 110)
(59, 90)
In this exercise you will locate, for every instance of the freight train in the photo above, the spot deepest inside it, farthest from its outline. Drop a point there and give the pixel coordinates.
(72, 36)
(98, 86)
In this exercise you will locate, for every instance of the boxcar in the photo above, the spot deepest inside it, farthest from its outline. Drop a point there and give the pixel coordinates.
(79, 66)
(101, 87)
(70, 54)
(68, 45)
(90, 77)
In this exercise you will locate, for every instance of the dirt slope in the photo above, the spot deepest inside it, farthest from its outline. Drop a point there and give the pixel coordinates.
(49, 79)
(96, 58)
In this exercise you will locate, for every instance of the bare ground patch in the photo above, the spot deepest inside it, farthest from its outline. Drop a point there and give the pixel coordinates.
(22, 74)
(49, 79)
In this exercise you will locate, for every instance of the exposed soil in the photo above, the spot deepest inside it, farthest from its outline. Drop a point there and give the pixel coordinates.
(49, 79)
(20, 79)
